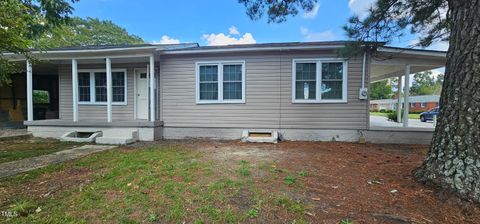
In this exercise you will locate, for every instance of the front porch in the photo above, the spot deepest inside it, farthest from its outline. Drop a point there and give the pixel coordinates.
(112, 91)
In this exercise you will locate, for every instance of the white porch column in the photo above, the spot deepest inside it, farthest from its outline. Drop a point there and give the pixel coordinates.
(399, 101)
(29, 92)
(109, 89)
(406, 95)
(75, 89)
(152, 88)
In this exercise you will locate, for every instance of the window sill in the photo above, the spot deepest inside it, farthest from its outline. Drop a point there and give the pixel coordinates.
(101, 104)
(222, 102)
(319, 101)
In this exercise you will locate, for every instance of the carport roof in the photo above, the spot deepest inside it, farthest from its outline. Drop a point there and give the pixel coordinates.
(390, 62)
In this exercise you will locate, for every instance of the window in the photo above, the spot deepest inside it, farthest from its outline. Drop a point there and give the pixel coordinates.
(100, 87)
(84, 86)
(92, 87)
(319, 81)
(221, 82)
(423, 104)
(118, 87)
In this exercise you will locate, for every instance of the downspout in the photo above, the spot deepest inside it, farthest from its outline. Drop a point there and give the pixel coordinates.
(363, 68)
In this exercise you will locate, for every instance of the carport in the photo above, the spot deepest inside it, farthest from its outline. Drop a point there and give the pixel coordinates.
(391, 62)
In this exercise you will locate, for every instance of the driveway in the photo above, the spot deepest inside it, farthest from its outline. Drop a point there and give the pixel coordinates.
(379, 121)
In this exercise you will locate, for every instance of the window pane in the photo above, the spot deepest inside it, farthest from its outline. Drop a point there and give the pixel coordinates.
(332, 70)
(331, 90)
(84, 87)
(208, 73)
(118, 94)
(232, 90)
(305, 90)
(208, 91)
(332, 81)
(100, 87)
(118, 86)
(232, 73)
(305, 84)
(306, 71)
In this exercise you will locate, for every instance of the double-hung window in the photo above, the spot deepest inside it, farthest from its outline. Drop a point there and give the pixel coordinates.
(220, 82)
(92, 87)
(319, 81)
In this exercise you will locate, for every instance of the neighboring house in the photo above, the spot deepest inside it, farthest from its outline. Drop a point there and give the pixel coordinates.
(417, 103)
(302, 90)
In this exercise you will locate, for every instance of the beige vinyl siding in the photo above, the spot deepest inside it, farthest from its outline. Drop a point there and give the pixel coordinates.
(96, 112)
(268, 97)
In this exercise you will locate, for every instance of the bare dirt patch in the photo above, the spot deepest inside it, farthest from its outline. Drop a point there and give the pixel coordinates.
(368, 183)
(47, 185)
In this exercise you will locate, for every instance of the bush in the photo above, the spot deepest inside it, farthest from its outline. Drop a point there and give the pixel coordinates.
(392, 116)
(382, 111)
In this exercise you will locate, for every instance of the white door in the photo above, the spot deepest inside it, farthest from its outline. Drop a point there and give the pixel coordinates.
(142, 94)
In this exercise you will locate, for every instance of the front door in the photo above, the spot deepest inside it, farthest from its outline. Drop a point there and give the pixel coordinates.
(142, 94)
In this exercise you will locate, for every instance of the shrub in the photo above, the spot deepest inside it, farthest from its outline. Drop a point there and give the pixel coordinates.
(382, 111)
(392, 116)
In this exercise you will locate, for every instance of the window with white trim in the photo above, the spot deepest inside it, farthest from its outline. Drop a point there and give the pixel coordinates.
(92, 87)
(319, 80)
(220, 82)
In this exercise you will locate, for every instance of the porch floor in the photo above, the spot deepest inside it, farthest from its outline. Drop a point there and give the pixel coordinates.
(94, 123)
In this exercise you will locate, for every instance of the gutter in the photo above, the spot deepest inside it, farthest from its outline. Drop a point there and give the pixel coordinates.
(251, 49)
(413, 51)
(86, 50)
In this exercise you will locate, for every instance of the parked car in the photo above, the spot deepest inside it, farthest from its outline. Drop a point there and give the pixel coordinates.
(428, 115)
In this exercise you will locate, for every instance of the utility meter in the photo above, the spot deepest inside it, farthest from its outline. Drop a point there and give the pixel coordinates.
(363, 94)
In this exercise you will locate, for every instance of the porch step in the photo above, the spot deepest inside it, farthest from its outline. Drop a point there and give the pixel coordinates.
(118, 137)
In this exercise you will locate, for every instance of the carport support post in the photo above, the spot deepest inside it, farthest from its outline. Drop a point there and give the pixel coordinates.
(406, 96)
(399, 102)
(152, 88)
(75, 89)
(29, 92)
(109, 89)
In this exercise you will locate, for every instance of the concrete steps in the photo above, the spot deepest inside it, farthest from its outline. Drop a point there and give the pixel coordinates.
(118, 137)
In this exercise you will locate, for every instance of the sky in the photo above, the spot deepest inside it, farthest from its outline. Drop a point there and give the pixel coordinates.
(220, 22)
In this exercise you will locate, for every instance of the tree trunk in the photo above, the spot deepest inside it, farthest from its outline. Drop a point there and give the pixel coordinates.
(453, 161)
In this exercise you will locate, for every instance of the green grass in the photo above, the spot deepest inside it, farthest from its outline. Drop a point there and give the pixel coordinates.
(410, 116)
(12, 150)
(165, 184)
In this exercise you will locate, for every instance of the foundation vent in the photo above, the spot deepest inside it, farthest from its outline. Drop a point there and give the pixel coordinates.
(266, 136)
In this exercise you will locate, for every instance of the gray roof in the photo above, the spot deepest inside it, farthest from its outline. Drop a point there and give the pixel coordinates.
(126, 46)
(196, 46)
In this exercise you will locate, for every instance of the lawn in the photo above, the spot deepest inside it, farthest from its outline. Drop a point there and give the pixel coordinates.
(11, 150)
(231, 182)
(410, 116)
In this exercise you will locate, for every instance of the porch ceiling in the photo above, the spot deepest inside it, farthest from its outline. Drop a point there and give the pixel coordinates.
(390, 62)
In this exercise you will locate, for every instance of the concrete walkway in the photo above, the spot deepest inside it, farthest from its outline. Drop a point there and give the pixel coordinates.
(24, 165)
(378, 121)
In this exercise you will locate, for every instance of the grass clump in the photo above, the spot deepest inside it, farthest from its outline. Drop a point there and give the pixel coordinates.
(244, 169)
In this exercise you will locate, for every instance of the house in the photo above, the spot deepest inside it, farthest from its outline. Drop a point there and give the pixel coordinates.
(303, 91)
(416, 103)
